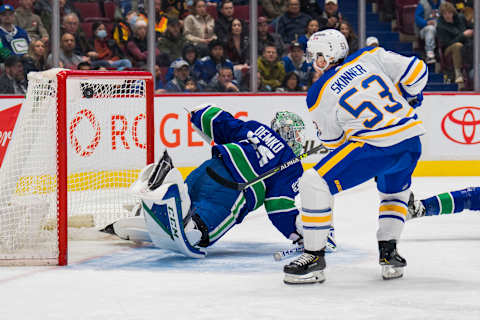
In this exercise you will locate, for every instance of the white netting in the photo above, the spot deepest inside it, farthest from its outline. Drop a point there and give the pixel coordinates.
(106, 148)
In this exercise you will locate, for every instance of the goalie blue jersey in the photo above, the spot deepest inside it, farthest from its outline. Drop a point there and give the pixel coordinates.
(248, 149)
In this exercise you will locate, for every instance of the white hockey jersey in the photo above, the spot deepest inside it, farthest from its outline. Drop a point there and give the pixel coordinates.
(364, 99)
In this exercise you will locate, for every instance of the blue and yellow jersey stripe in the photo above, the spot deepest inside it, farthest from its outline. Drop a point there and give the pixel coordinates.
(416, 71)
(316, 91)
(339, 156)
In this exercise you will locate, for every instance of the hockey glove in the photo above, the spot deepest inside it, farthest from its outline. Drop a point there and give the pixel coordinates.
(296, 238)
(415, 101)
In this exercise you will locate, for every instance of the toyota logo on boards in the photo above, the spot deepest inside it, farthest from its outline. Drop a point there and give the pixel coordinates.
(462, 125)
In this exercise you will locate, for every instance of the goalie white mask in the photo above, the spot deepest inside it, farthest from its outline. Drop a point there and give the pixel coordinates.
(290, 127)
(330, 43)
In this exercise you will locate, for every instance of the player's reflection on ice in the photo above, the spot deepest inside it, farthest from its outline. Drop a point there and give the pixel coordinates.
(222, 257)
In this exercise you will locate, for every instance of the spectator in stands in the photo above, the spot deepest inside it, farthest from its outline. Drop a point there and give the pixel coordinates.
(161, 20)
(331, 14)
(274, 8)
(175, 9)
(13, 79)
(271, 68)
(295, 61)
(36, 58)
(191, 85)
(71, 24)
(198, 27)
(224, 82)
(190, 55)
(133, 16)
(137, 46)
(265, 37)
(462, 5)
(122, 34)
(455, 38)
(67, 56)
(372, 42)
(291, 83)
(236, 48)
(426, 16)
(13, 38)
(206, 68)
(181, 74)
(30, 22)
(107, 49)
(224, 20)
(312, 27)
(352, 39)
(314, 10)
(292, 24)
(171, 43)
(159, 86)
(44, 9)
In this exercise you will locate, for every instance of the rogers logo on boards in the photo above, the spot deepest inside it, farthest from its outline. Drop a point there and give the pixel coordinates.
(88, 150)
(462, 125)
(8, 118)
(91, 132)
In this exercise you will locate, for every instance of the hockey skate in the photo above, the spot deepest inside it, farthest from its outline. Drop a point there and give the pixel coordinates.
(308, 268)
(416, 209)
(392, 263)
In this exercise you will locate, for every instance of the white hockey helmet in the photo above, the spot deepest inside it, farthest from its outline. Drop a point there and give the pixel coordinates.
(330, 43)
(290, 127)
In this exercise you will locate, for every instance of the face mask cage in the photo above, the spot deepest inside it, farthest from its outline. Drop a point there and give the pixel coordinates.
(290, 129)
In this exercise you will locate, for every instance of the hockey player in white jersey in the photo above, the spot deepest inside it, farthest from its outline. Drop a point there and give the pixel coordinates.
(359, 106)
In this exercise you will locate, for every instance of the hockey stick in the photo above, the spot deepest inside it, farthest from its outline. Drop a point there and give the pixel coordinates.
(279, 255)
(162, 167)
(242, 185)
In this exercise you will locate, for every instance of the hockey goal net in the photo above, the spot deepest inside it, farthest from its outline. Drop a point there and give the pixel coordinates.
(80, 139)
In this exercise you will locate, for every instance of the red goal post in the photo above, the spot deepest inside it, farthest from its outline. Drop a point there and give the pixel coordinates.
(79, 141)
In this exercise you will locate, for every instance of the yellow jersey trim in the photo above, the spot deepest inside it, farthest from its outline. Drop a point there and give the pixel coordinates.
(386, 134)
(340, 69)
(416, 71)
(333, 161)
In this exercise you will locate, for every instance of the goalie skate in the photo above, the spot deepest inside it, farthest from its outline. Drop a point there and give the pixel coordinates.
(308, 268)
(392, 263)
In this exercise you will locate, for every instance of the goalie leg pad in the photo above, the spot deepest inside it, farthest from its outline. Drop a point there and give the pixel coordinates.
(164, 216)
(132, 228)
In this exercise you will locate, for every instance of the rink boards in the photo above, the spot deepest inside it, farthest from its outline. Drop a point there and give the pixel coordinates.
(451, 146)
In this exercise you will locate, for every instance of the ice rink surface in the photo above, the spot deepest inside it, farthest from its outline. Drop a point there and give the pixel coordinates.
(240, 280)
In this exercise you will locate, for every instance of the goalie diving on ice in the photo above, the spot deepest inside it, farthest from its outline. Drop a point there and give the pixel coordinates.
(187, 217)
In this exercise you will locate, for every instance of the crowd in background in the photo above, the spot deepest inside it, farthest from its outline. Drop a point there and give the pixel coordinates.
(197, 50)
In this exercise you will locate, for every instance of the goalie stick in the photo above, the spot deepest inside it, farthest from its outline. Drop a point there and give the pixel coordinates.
(242, 185)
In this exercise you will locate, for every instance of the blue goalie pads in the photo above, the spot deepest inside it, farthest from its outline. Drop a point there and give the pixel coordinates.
(165, 224)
